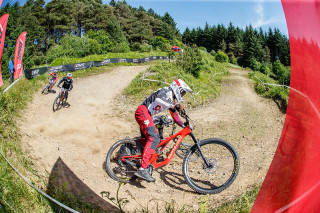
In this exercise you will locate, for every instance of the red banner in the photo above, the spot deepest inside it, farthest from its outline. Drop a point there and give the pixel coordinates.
(292, 183)
(3, 26)
(18, 55)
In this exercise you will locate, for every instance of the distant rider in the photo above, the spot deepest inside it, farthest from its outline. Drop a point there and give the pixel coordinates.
(53, 77)
(162, 99)
(67, 84)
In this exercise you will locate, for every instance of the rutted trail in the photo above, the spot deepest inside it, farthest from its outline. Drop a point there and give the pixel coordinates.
(74, 141)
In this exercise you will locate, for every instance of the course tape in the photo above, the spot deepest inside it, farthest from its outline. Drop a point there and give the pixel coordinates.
(31, 73)
(12, 84)
(39, 190)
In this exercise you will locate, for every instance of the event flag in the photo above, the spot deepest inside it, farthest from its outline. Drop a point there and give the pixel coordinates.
(3, 26)
(292, 183)
(18, 55)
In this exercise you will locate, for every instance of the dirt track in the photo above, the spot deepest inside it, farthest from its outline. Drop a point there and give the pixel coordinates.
(73, 141)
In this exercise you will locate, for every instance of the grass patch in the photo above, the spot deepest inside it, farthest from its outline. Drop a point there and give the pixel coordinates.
(205, 87)
(278, 93)
(15, 195)
(242, 204)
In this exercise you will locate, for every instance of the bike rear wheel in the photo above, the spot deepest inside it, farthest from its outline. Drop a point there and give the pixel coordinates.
(56, 104)
(123, 170)
(222, 170)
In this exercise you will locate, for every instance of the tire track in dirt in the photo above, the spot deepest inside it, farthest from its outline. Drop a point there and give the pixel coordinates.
(81, 135)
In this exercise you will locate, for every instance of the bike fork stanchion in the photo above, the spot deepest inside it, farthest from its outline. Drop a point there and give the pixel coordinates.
(199, 148)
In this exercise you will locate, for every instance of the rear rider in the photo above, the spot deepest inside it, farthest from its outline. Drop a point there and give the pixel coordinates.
(53, 77)
(67, 84)
(162, 99)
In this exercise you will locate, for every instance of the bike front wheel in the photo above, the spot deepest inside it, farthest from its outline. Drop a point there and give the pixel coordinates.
(56, 104)
(119, 167)
(215, 170)
(45, 90)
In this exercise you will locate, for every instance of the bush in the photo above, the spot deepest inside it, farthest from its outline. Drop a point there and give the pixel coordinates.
(74, 46)
(213, 53)
(101, 37)
(265, 69)
(233, 60)
(120, 48)
(254, 64)
(161, 43)
(145, 48)
(203, 49)
(191, 60)
(221, 57)
(283, 73)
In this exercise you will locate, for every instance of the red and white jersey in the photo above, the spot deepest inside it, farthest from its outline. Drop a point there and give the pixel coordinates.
(160, 100)
(54, 76)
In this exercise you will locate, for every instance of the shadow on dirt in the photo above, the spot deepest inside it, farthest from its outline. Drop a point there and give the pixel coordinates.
(67, 188)
(52, 91)
(174, 180)
(281, 104)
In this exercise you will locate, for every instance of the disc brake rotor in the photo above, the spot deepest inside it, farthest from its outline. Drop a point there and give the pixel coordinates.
(213, 166)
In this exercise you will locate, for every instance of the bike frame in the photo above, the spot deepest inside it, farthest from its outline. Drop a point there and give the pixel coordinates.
(163, 143)
(62, 93)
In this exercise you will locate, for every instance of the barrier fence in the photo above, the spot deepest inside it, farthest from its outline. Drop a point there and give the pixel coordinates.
(31, 73)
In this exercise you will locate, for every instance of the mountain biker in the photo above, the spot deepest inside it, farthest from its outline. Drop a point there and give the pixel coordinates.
(162, 99)
(54, 77)
(67, 84)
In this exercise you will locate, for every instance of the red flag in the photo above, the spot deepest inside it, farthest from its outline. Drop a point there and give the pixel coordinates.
(3, 26)
(0, 2)
(18, 55)
(292, 183)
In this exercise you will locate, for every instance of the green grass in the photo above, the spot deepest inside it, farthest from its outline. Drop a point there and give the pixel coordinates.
(242, 204)
(15, 195)
(205, 87)
(278, 93)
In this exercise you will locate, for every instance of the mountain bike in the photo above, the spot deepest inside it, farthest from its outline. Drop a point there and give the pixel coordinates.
(48, 87)
(60, 100)
(209, 166)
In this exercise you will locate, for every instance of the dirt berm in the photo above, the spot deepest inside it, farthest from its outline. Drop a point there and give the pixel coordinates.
(73, 142)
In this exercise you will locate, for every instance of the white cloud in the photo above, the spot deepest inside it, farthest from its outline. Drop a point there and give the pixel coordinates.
(261, 20)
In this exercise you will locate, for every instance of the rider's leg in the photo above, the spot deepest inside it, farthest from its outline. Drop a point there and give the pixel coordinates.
(66, 95)
(148, 128)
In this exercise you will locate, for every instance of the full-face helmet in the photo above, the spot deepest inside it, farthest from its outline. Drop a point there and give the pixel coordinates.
(180, 88)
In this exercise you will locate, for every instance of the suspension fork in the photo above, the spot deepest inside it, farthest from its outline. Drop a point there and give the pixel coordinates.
(199, 148)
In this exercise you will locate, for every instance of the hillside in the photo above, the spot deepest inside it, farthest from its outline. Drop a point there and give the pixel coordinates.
(73, 142)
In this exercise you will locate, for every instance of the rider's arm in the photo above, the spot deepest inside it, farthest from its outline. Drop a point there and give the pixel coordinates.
(175, 115)
(60, 82)
(71, 86)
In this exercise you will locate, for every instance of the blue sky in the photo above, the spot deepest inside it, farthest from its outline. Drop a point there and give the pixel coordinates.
(195, 13)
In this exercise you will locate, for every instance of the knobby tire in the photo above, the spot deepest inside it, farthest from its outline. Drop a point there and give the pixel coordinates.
(119, 170)
(56, 104)
(224, 166)
(45, 90)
